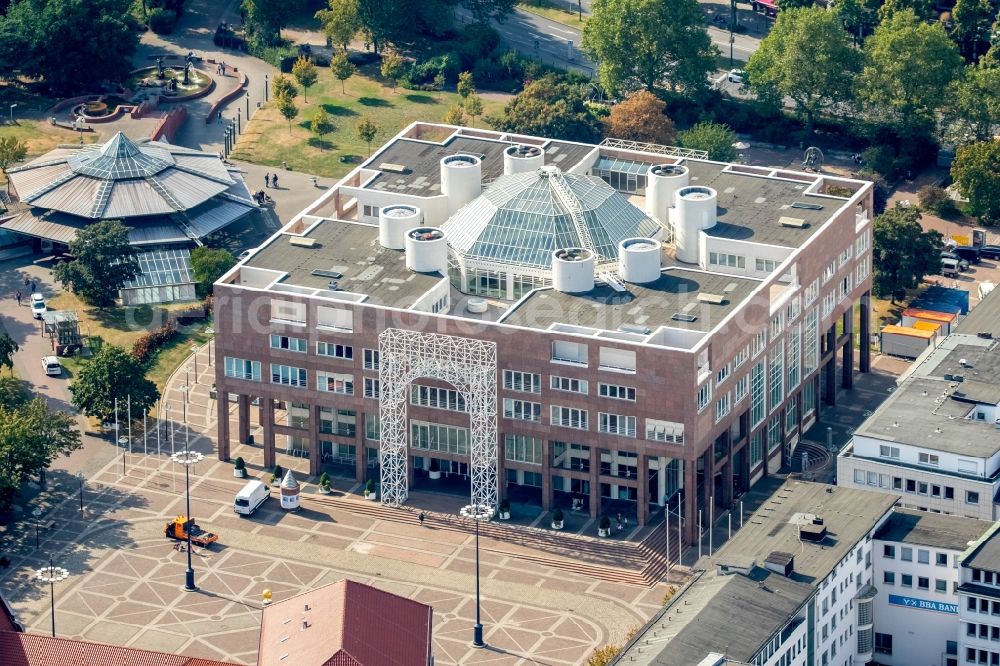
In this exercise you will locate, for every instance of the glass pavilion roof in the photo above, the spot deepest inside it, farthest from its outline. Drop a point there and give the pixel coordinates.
(520, 220)
(163, 266)
(120, 158)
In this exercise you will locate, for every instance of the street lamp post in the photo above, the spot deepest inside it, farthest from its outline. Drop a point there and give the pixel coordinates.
(265, 87)
(188, 458)
(51, 574)
(194, 350)
(248, 106)
(477, 512)
(79, 475)
(239, 121)
(37, 513)
(12, 107)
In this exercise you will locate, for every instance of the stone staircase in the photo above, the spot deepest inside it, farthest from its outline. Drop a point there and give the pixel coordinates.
(635, 563)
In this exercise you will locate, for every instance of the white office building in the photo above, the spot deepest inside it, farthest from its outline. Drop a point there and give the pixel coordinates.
(979, 602)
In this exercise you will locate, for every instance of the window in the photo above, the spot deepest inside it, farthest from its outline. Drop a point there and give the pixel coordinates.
(774, 433)
(291, 344)
(811, 292)
(940, 585)
(923, 583)
(723, 374)
(757, 408)
(569, 352)
(617, 392)
(941, 559)
(810, 342)
(923, 556)
(741, 357)
(288, 312)
(728, 260)
(334, 383)
(369, 211)
(372, 388)
(776, 379)
(845, 256)
(619, 360)
(829, 302)
(792, 422)
(722, 407)
(845, 286)
(371, 359)
(808, 398)
(862, 243)
(523, 449)
(756, 448)
(758, 343)
(334, 350)
(766, 265)
(777, 325)
(906, 554)
(616, 424)
(289, 376)
(239, 368)
(741, 389)
(338, 319)
(664, 431)
(883, 643)
(436, 437)
(897, 483)
(794, 360)
(372, 430)
(949, 493)
(889, 451)
(569, 384)
(794, 308)
(569, 417)
(829, 272)
(928, 459)
(906, 580)
(525, 382)
(971, 497)
(864, 269)
(889, 577)
(704, 396)
(437, 398)
(889, 552)
(522, 410)
(911, 486)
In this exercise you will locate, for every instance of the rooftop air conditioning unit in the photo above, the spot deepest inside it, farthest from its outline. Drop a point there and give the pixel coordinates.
(793, 222)
(302, 241)
(714, 299)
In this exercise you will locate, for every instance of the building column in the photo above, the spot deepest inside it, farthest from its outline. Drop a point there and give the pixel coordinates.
(864, 362)
(546, 471)
(830, 370)
(661, 479)
(690, 500)
(361, 459)
(315, 460)
(222, 407)
(243, 401)
(595, 481)
(847, 376)
(267, 423)
(642, 492)
(727, 474)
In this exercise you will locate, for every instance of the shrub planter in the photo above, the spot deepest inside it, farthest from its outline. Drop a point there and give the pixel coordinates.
(370, 493)
(324, 483)
(504, 511)
(557, 519)
(604, 529)
(434, 473)
(240, 469)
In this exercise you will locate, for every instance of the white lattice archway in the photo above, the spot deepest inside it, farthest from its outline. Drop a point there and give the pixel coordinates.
(471, 367)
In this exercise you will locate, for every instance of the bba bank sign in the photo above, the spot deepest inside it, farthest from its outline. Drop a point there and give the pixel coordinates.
(922, 604)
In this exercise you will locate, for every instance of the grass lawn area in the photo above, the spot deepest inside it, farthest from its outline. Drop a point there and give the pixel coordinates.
(267, 140)
(123, 325)
(552, 12)
(41, 137)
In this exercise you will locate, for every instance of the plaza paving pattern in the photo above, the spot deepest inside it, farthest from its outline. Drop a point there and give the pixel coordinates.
(126, 578)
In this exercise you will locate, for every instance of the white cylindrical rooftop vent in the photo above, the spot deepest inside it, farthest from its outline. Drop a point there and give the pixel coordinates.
(426, 250)
(393, 223)
(639, 260)
(522, 159)
(573, 270)
(694, 210)
(662, 181)
(461, 179)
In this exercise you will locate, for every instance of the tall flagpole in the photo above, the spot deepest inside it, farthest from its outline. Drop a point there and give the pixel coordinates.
(118, 433)
(124, 459)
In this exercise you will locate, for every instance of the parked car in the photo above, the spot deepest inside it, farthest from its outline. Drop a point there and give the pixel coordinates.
(37, 306)
(737, 76)
(51, 365)
(949, 267)
(989, 251)
(967, 252)
(963, 265)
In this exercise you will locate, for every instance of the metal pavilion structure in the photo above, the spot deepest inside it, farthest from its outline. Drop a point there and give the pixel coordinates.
(469, 365)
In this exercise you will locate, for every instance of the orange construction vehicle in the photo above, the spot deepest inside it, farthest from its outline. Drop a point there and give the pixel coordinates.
(177, 529)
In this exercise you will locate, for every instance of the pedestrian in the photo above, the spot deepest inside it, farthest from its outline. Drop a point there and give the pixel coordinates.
(422, 517)
(220, 117)
(267, 179)
(18, 297)
(274, 181)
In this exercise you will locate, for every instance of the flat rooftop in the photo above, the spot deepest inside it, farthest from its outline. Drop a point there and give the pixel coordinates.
(421, 160)
(750, 206)
(984, 318)
(985, 554)
(848, 515)
(650, 305)
(922, 528)
(352, 250)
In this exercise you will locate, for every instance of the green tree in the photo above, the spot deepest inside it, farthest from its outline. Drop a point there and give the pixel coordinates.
(282, 86)
(976, 172)
(717, 140)
(902, 252)
(454, 116)
(342, 69)
(103, 261)
(265, 18)
(320, 124)
(209, 265)
(7, 350)
(466, 84)
(650, 44)
(550, 108)
(11, 152)
(367, 130)
(31, 436)
(113, 374)
(392, 69)
(287, 108)
(807, 56)
(473, 107)
(972, 110)
(14, 392)
(785, 5)
(340, 22)
(972, 22)
(908, 67)
(642, 116)
(923, 9)
(484, 11)
(858, 16)
(305, 73)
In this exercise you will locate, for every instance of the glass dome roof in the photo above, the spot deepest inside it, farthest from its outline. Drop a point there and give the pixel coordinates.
(522, 218)
(119, 158)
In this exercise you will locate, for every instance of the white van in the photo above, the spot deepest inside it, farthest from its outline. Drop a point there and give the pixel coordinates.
(949, 267)
(250, 497)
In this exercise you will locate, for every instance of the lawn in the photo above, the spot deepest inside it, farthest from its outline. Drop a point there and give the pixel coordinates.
(123, 325)
(553, 12)
(41, 137)
(267, 139)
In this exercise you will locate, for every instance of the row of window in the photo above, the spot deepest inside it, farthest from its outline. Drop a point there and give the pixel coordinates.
(923, 555)
(989, 632)
(912, 486)
(739, 261)
(923, 582)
